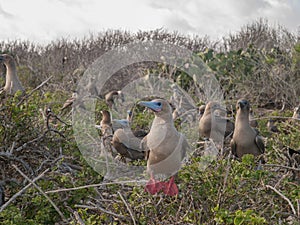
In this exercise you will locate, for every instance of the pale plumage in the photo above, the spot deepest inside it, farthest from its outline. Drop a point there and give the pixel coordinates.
(296, 114)
(167, 147)
(12, 82)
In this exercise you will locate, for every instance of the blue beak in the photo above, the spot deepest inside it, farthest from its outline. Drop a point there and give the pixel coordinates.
(155, 106)
(123, 122)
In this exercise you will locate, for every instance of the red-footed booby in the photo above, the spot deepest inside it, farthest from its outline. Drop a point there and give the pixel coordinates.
(126, 143)
(245, 138)
(106, 124)
(167, 148)
(214, 126)
(12, 82)
(69, 102)
(109, 97)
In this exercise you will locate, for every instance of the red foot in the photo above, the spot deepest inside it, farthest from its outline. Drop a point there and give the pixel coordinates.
(170, 188)
(154, 186)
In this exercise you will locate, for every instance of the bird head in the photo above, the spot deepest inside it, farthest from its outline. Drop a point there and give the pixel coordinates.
(155, 106)
(201, 110)
(6, 59)
(105, 116)
(158, 106)
(212, 106)
(243, 104)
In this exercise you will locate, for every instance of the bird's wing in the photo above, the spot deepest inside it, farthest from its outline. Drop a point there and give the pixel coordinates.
(260, 143)
(128, 139)
(185, 146)
(233, 147)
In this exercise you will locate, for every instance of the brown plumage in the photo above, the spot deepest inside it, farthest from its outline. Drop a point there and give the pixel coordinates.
(69, 102)
(105, 123)
(109, 97)
(167, 147)
(214, 126)
(245, 138)
(12, 82)
(126, 143)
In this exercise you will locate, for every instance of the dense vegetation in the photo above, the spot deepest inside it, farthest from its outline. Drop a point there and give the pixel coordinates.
(260, 63)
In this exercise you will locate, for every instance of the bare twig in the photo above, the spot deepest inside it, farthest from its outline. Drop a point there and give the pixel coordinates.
(78, 218)
(21, 191)
(128, 208)
(282, 166)
(225, 179)
(14, 158)
(32, 141)
(284, 197)
(38, 87)
(101, 209)
(298, 207)
(93, 185)
(42, 192)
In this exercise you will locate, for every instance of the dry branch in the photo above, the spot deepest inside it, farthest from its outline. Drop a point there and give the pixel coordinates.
(128, 208)
(98, 208)
(42, 192)
(38, 87)
(284, 197)
(94, 185)
(22, 190)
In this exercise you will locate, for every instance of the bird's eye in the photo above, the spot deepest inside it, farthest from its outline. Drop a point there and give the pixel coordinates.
(159, 103)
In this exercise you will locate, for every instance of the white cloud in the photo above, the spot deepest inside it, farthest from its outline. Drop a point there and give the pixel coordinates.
(51, 19)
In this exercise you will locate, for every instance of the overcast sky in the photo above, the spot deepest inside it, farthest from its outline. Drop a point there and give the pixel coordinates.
(46, 20)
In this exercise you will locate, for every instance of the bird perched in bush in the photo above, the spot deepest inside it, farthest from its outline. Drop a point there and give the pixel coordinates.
(69, 102)
(109, 98)
(126, 143)
(214, 126)
(12, 82)
(166, 148)
(246, 139)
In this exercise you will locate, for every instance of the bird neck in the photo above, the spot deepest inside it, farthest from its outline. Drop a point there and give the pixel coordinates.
(106, 121)
(163, 120)
(242, 116)
(11, 74)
